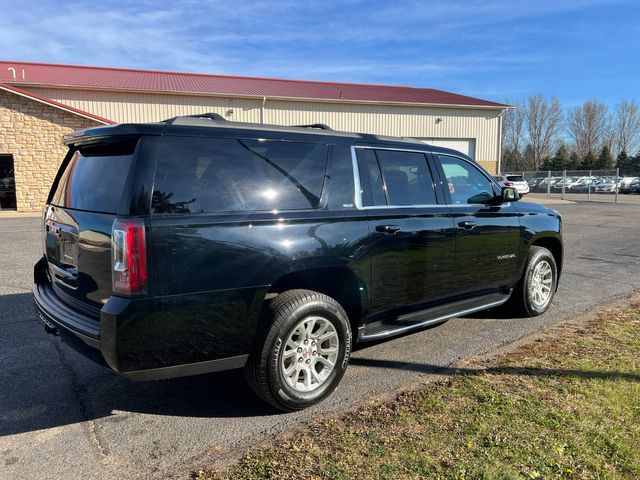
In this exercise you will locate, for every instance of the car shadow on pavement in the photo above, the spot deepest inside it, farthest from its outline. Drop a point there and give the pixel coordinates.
(503, 312)
(44, 383)
(523, 371)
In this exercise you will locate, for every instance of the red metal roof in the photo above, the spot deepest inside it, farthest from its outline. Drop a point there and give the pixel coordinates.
(53, 103)
(43, 74)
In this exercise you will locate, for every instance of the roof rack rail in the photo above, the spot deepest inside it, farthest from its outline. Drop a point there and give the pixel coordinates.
(210, 116)
(321, 126)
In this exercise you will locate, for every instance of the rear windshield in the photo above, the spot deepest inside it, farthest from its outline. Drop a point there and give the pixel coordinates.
(515, 178)
(94, 178)
(207, 175)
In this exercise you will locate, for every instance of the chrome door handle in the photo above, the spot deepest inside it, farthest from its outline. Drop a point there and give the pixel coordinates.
(467, 224)
(390, 229)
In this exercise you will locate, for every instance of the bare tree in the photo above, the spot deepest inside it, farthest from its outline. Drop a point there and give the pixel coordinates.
(544, 118)
(513, 128)
(626, 127)
(588, 125)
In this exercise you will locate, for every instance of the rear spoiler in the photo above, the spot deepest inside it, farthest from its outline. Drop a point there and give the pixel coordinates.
(107, 133)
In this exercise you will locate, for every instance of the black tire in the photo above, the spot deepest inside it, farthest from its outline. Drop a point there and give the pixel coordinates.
(521, 300)
(280, 317)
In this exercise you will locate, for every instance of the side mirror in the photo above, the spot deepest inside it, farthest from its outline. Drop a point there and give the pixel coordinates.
(509, 194)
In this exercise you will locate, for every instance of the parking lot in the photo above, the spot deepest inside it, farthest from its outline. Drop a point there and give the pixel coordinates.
(583, 197)
(63, 417)
(584, 185)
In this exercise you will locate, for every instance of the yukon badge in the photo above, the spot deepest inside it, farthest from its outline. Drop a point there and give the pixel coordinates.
(505, 257)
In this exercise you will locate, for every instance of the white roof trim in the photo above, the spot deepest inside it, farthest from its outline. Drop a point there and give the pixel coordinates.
(53, 104)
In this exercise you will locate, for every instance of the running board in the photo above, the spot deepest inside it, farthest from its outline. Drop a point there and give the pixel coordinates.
(430, 316)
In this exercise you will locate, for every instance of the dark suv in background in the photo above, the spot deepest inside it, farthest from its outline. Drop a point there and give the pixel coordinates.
(196, 245)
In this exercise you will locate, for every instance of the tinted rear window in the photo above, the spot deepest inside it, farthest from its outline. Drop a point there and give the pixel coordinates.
(515, 178)
(94, 179)
(208, 175)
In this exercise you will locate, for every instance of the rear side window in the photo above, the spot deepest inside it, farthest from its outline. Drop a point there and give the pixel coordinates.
(390, 177)
(95, 177)
(208, 175)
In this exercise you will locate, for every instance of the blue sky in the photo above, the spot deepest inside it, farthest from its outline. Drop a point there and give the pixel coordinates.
(494, 49)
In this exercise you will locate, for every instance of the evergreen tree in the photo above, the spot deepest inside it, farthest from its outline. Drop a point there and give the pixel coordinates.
(589, 161)
(574, 162)
(604, 160)
(626, 163)
(511, 161)
(559, 160)
(529, 162)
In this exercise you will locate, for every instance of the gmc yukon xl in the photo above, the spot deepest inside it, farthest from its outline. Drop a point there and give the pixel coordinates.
(197, 245)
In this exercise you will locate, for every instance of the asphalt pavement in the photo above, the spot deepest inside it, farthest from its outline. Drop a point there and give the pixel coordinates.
(583, 197)
(61, 416)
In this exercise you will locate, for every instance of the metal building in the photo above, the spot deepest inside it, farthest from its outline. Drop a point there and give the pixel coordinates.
(40, 102)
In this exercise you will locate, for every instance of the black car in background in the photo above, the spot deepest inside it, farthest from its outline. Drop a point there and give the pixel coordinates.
(196, 245)
(8, 191)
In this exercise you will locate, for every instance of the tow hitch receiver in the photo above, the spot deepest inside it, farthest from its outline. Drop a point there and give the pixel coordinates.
(48, 326)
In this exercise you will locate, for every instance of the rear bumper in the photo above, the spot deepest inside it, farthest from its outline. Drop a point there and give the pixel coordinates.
(80, 331)
(97, 338)
(58, 315)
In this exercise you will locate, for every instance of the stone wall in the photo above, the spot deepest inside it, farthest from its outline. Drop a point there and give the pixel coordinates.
(32, 132)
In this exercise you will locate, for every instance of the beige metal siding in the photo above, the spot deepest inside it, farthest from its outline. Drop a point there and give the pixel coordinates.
(396, 120)
(407, 121)
(123, 107)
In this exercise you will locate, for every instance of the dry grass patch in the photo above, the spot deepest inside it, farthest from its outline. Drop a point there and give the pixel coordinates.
(564, 407)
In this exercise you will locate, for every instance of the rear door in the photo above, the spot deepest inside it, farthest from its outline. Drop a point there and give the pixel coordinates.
(90, 189)
(412, 235)
(488, 236)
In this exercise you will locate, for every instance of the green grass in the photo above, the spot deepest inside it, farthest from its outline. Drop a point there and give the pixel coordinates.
(565, 407)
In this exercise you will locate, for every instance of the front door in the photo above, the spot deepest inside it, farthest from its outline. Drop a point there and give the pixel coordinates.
(488, 236)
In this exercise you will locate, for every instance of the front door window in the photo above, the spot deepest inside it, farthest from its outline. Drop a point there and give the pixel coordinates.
(467, 184)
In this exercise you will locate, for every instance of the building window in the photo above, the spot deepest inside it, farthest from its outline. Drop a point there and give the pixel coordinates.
(7, 183)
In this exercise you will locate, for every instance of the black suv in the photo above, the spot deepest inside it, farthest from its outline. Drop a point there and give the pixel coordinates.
(197, 245)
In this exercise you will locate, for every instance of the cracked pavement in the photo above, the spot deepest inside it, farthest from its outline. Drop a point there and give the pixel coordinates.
(61, 416)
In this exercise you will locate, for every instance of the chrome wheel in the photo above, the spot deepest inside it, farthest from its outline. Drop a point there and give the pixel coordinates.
(310, 354)
(541, 284)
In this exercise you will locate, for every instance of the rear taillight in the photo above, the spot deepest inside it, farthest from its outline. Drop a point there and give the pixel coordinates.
(128, 257)
(508, 184)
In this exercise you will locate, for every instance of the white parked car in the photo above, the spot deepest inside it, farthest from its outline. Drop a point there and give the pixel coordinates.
(607, 187)
(516, 181)
(626, 184)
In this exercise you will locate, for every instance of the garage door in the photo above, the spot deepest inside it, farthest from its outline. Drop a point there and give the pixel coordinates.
(464, 145)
